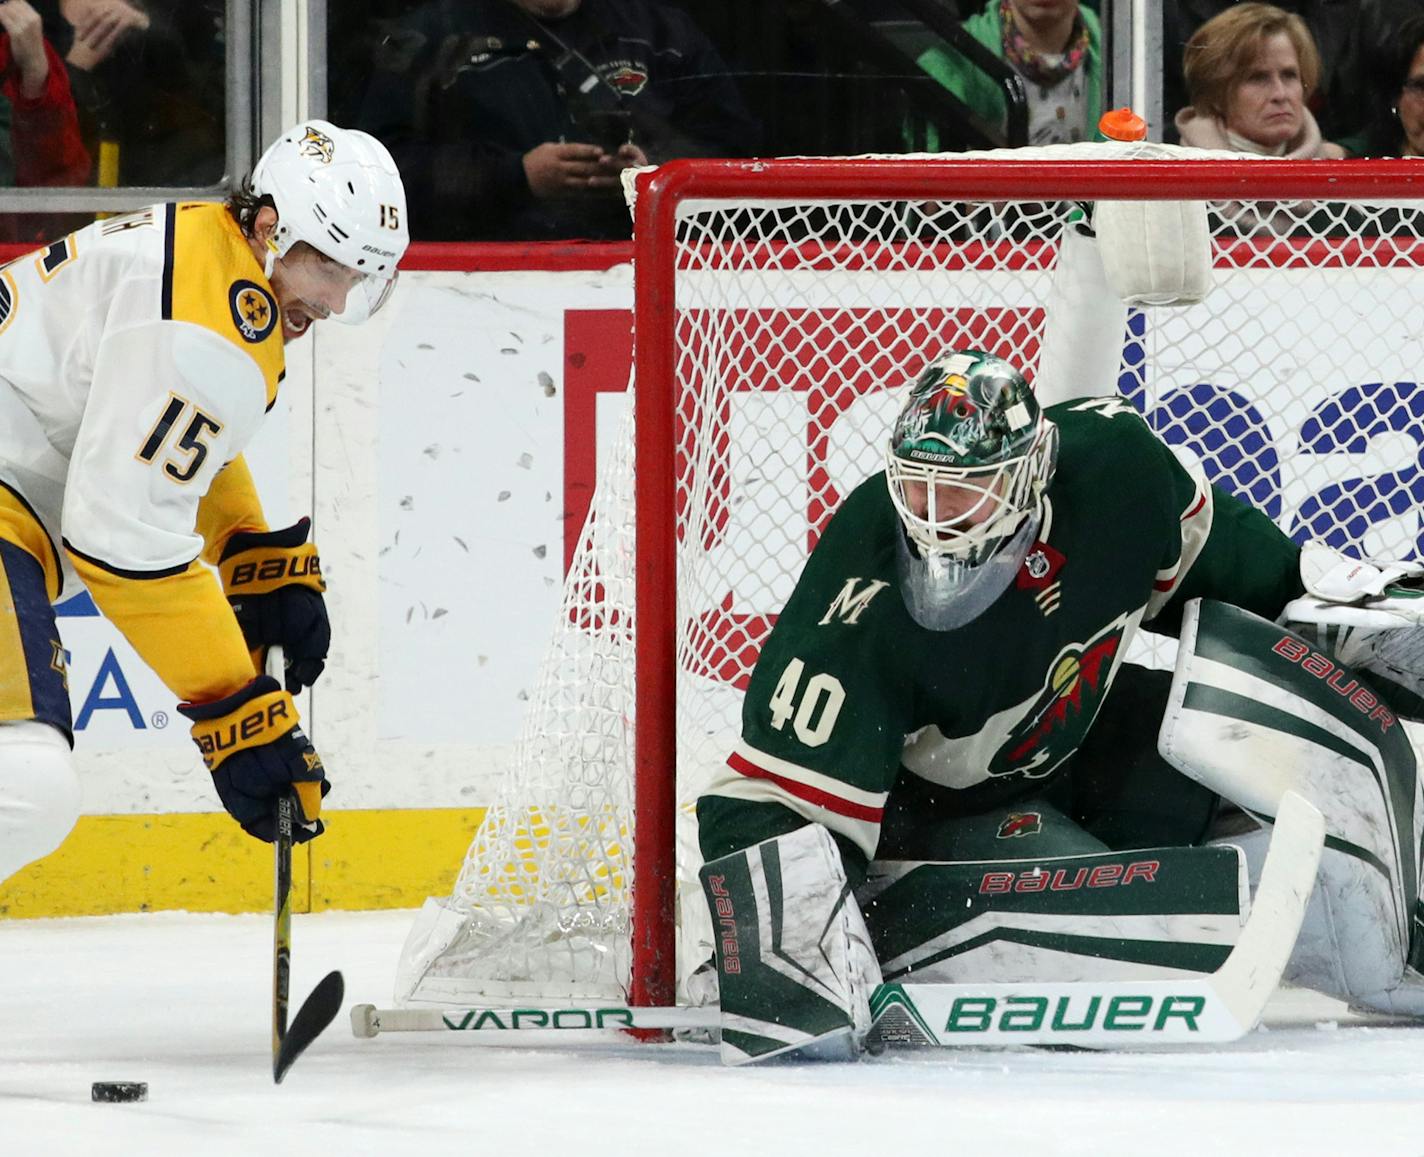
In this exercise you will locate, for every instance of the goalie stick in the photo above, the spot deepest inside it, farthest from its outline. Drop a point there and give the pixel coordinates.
(1208, 1009)
(321, 1007)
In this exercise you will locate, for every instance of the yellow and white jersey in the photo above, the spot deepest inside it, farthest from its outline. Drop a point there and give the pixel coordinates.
(137, 357)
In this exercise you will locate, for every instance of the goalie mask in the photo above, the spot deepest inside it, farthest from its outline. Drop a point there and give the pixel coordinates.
(969, 459)
(340, 192)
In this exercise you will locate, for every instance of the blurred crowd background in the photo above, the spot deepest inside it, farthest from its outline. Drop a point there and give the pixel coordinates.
(512, 118)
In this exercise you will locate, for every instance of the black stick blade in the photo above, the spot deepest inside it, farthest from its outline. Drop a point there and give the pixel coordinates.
(318, 1011)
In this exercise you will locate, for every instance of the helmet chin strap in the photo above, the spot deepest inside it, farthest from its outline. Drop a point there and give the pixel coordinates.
(270, 263)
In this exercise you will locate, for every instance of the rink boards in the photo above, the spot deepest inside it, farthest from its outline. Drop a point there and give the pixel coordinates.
(447, 452)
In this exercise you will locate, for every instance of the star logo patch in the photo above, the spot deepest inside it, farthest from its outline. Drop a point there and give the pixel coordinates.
(254, 311)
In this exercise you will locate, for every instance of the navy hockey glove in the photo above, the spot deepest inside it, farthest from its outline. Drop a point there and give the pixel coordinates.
(273, 581)
(252, 744)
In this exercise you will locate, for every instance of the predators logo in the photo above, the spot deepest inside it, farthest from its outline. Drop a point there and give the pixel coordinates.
(1059, 716)
(254, 311)
(316, 143)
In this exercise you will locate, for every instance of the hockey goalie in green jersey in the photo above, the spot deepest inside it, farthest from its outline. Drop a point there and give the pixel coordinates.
(946, 766)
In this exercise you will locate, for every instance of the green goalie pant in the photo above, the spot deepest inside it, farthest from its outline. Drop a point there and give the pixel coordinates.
(1096, 877)
(1051, 906)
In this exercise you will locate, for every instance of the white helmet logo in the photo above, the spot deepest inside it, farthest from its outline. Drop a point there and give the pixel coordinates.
(316, 144)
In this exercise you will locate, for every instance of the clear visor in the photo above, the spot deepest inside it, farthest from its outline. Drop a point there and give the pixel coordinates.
(331, 290)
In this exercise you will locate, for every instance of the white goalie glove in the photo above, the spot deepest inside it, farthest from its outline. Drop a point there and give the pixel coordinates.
(1369, 613)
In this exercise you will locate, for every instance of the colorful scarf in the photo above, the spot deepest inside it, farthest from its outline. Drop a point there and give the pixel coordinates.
(1043, 68)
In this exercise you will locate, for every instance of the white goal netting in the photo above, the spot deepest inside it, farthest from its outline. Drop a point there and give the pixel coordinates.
(794, 322)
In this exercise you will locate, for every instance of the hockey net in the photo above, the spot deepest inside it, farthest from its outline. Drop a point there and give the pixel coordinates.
(780, 305)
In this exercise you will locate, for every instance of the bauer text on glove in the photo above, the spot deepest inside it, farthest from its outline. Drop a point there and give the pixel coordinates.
(273, 581)
(253, 745)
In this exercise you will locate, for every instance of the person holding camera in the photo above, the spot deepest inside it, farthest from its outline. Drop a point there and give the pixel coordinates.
(512, 119)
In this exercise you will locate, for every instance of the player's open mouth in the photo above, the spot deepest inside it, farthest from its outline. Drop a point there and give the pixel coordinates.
(297, 319)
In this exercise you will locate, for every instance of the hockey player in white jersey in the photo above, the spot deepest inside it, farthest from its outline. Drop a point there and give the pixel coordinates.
(137, 358)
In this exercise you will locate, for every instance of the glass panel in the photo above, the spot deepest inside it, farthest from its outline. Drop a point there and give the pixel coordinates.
(147, 98)
(511, 121)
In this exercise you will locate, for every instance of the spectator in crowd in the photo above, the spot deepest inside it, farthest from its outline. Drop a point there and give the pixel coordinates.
(44, 145)
(1055, 45)
(511, 119)
(1352, 38)
(1396, 127)
(149, 82)
(1249, 72)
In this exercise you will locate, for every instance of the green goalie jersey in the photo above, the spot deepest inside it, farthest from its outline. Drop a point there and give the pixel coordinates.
(849, 688)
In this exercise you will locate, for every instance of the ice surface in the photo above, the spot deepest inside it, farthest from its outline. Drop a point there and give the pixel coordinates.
(183, 1002)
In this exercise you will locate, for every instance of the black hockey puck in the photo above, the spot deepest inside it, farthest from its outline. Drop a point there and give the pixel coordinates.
(119, 1091)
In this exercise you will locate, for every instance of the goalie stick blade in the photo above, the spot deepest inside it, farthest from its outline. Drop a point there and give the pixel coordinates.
(316, 1013)
(1252, 972)
(1212, 1008)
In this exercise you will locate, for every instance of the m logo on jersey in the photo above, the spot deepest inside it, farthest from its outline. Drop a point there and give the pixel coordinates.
(316, 143)
(254, 311)
(848, 605)
(1020, 824)
(1052, 729)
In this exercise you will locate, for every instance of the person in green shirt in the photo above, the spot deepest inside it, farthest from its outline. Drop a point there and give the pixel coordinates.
(1055, 45)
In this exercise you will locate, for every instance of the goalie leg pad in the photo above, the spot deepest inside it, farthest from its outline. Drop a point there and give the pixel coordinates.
(794, 962)
(1151, 913)
(1256, 711)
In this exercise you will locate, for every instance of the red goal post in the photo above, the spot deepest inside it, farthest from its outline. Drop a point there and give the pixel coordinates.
(775, 298)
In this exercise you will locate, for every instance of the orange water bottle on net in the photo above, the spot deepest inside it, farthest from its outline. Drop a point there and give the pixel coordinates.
(1121, 124)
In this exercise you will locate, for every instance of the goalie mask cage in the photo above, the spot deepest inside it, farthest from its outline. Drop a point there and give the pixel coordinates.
(779, 306)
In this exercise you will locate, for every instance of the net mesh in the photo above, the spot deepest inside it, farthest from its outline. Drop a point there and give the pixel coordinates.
(1293, 382)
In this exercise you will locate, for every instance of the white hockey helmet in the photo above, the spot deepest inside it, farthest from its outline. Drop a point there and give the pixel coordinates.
(340, 192)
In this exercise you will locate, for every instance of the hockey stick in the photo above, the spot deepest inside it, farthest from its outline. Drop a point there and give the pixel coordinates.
(1215, 1007)
(321, 1007)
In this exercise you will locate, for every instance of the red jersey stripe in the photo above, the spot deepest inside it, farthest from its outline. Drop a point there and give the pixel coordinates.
(812, 795)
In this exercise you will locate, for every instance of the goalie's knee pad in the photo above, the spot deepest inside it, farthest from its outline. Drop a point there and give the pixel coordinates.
(39, 793)
(1254, 712)
(794, 962)
(1150, 913)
